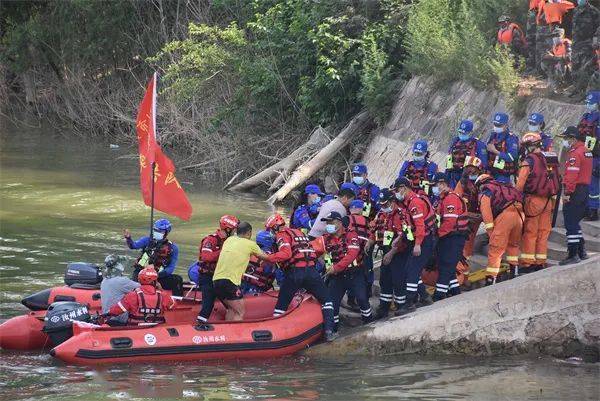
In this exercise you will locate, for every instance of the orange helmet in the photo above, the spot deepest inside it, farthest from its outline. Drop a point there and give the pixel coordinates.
(472, 161)
(532, 138)
(228, 221)
(482, 179)
(274, 221)
(148, 275)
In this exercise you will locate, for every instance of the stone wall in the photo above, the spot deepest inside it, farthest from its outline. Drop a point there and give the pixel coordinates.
(425, 111)
(555, 312)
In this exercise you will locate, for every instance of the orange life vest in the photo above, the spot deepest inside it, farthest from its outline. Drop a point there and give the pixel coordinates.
(149, 308)
(303, 254)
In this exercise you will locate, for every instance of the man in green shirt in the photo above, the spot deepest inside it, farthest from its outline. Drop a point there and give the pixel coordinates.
(232, 263)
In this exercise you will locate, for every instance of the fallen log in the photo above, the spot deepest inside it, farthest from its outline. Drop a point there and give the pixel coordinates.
(358, 125)
(232, 180)
(283, 168)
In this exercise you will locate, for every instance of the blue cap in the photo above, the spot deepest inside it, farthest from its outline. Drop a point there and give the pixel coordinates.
(401, 182)
(500, 118)
(465, 126)
(359, 168)
(313, 189)
(440, 177)
(420, 146)
(536, 119)
(351, 186)
(357, 204)
(593, 97)
(385, 195)
(328, 197)
(264, 239)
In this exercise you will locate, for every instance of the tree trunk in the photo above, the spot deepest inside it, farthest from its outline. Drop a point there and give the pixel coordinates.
(358, 125)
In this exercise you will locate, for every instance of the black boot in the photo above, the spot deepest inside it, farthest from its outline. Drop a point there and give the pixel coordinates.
(438, 296)
(581, 250)
(424, 300)
(572, 256)
(382, 311)
(592, 215)
(408, 307)
(489, 280)
(514, 272)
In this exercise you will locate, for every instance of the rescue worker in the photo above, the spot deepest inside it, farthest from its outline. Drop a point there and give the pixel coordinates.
(260, 275)
(554, 11)
(113, 287)
(462, 148)
(233, 262)
(145, 304)
(422, 225)
(452, 232)
(296, 256)
(501, 207)
(159, 252)
(536, 124)
(503, 150)
(210, 250)
(589, 131)
(511, 35)
(468, 190)
(419, 170)
(342, 250)
(358, 223)
(367, 191)
(304, 215)
(576, 186)
(539, 181)
(556, 63)
(339, 204)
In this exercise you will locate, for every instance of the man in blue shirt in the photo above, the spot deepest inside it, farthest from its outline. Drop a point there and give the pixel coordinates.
(462, 147)
(536, 124)
(419, 170)
(367, 191)
(161, 253)
(502, 150)
(589, 130)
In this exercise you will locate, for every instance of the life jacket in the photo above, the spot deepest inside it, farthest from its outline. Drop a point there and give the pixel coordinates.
(560, 50)
(255, 275)
(364, 194)
(459, 152)
(149, 308)
(543, 179)
(337, 248)
(360, 224)
(506, 35)
(500, 166)
(418, 176)
(470, 195)
(399, 222)
(209, 267)
(429, 216)
(303, 254)
(379, 226)
(462, 221)
(157, 253)
(587, 129)
(502, 196)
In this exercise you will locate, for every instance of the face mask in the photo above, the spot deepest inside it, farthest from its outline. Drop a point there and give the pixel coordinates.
(358, 180)
(419, 158)
(316, 200)
(533, 128)
(498, 130)
(581, 3)
(330, 228)
(435, 191)
(386, 209)
(157, 235)
(464, 137)
(473, 177)
(566, 143)
(591, 107)
(399, 196)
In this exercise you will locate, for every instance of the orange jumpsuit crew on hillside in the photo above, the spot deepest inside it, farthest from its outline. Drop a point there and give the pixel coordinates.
(539, 181)
(501, 207)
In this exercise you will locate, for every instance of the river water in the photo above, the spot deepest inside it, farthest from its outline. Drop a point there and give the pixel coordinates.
(64, 199)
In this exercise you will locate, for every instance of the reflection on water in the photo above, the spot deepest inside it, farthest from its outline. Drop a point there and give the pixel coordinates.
(64, 200)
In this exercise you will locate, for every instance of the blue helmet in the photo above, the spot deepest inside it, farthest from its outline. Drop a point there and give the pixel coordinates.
(313, 189)
(356, 204)
(593, 97)
(536, 119)
(420, 146)
(163, 225)
(465, 126)
(265, 240)
(351, 186)
(359, 168)
(500, 118)
(385, 195)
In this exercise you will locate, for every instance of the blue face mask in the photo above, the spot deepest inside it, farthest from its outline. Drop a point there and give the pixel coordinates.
(157, 235)
(591, 107)
(358, 180)
(473, 177)
(435, 191)
(464, 137)
(316, 200)
(399, 196)
(330, 228)
(386, 209)
(419, 158)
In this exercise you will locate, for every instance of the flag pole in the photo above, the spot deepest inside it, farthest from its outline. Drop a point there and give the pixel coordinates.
(153, 165)
(152, 200)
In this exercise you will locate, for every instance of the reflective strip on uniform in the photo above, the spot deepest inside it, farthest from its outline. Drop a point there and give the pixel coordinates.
(416, 216)
(353, 247)
(400, 299)
(284, 244)
(366, 312)
(441, 286)
(489, 225)
(206, 249)
(512, 258)
(440, 289)
(495, 270)
(572, 168)
(450, 215)
(527, 256)
(385, 297)
(121, 306)
(278, 312)
(594, 196)
(541, 256)
(363, 238)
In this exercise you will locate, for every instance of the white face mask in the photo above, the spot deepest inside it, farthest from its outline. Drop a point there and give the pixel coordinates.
(399, 196)
(358, 180)
(566, 143)
(533, 128)
(317, 199)
(498, 130)
(591, 107)
(473, 177)
(435, 191)
(386, 209)
(330, 228)
(157, 235)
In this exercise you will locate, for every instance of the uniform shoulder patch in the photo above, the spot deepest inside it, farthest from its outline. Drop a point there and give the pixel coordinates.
(572, 160)
(588, 154)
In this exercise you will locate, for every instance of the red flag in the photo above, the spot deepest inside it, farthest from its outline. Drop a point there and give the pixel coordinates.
(169, 196)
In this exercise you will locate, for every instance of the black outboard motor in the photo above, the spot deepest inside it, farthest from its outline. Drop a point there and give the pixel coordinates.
(58, 323)
(80, 273)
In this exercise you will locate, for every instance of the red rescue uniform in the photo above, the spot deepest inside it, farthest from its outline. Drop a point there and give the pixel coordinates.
(360, 225)
(467, 189)
(578, 168)
(452, 210)
(144, 304)
(422, 216)
(293, 249)
(344, 250)
(210, 249)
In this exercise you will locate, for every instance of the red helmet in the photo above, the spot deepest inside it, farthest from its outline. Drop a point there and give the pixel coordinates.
(148, 275)
(274, 221)
(228, 221)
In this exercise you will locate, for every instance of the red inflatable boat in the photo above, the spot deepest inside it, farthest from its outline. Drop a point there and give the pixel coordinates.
(259, 335)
